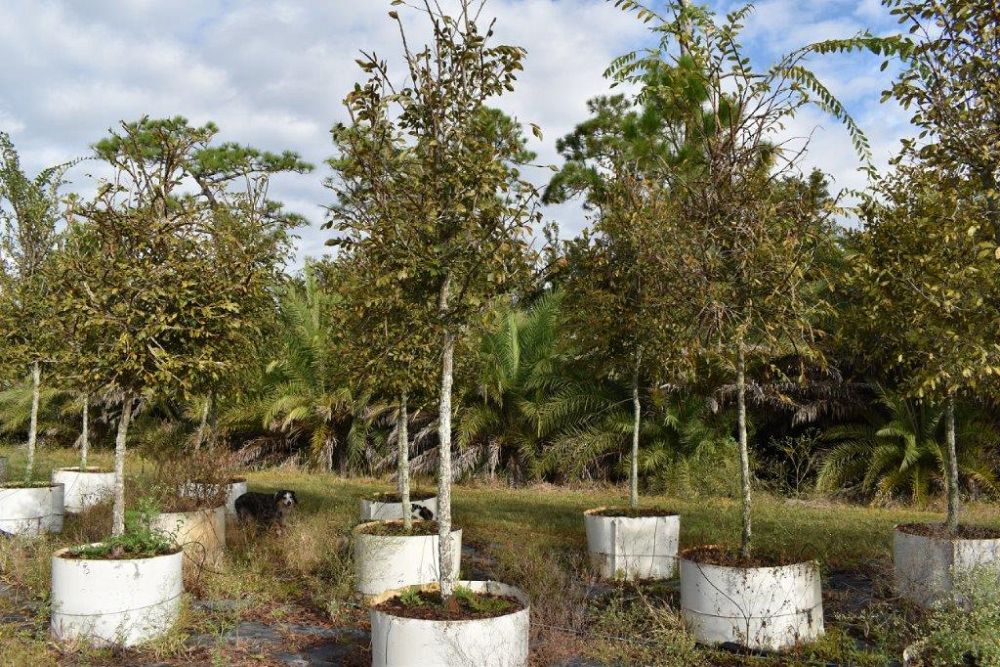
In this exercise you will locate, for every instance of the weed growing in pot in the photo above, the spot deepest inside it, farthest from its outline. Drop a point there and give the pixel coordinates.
(140, 539)
(411, 597)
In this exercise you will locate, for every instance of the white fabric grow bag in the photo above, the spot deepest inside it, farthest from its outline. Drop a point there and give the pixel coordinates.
(84, 489)
(633, 547)
(31, 511)
(202, 534)
(925, 566)
(372, 509)
(115, 602)
(385, 563)
(761, 608)
(490, 642)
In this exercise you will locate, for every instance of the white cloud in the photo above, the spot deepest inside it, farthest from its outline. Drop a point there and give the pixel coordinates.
(273, 73)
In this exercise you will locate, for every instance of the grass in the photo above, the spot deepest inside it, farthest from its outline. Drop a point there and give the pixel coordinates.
(532, 538)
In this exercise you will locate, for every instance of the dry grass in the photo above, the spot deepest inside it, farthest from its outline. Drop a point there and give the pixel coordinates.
(530, 537)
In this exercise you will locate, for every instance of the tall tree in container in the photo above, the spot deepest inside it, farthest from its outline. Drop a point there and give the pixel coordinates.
(29, 211)
(161, 283)
(927, 269)
(626, 309)
(750, 245)
(465, 237)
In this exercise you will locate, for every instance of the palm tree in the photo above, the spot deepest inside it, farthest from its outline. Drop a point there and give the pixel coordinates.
(306, 393)
(522, 363)
(56, 407)
(900, 451)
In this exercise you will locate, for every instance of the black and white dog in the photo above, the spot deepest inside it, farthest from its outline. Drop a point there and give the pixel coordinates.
(266, 508)
(421, 512)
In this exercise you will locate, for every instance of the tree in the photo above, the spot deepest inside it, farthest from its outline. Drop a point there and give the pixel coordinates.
(623, 305)
(951, 81)
(308, 389)
(160, 284)
(749, 244)
(902, 449)
(29, 209)
(522, 361)
(927, 271)
(464, 238)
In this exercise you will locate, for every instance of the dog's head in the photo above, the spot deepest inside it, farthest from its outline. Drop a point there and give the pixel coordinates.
(285, 501)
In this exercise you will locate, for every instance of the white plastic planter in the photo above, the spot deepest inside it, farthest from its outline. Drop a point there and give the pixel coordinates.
(633, 547)
(376, 510)
(31, 511)
(84, 488)
(115, 602)
(925, 566)
(202, 534)
(390, 562)
(760, 608)
(236, 488)
(489, 642)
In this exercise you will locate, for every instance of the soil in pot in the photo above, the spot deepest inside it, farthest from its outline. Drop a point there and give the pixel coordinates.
(731, 558)
(27, 485)
(939, 531)
(464, 605)
(87, 469)
(118, 551)
(390, 497)
(397, 529)
(633, 513)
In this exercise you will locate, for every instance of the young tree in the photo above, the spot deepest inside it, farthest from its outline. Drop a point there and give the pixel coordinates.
(464, 238)
(927, 272)
(161, 282)
(29, 210)
(749, 245)
(624, 308)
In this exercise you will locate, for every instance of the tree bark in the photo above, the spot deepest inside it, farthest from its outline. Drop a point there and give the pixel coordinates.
(85, 445)
(403, 463)
(741, 411)
(36, 382)
(118, 522)
(444, 450)
(953, 499)
(204, 423)
(633, 495)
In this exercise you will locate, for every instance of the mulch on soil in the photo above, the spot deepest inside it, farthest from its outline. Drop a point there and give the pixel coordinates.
(940, 531)
(432, 608)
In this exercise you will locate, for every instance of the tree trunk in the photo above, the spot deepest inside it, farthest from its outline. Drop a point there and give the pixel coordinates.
(85, 445)
(444, 450)
(403, 463)
(741, 411)
(118, 522)
(36, 382)
(953, 500)
(633, 494)
(203, 426)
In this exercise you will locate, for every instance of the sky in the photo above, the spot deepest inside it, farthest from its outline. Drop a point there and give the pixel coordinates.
(273, 74)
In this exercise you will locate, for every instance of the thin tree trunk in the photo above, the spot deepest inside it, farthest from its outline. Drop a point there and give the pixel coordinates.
(953, 499)
(444, 450)
(403, 463)
(85, 445)
(741, 407)
(202, 427)
(633, 495)
(36, 382)
(118, 523)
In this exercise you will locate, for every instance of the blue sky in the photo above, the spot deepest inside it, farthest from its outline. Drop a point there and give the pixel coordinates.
(272, 73)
